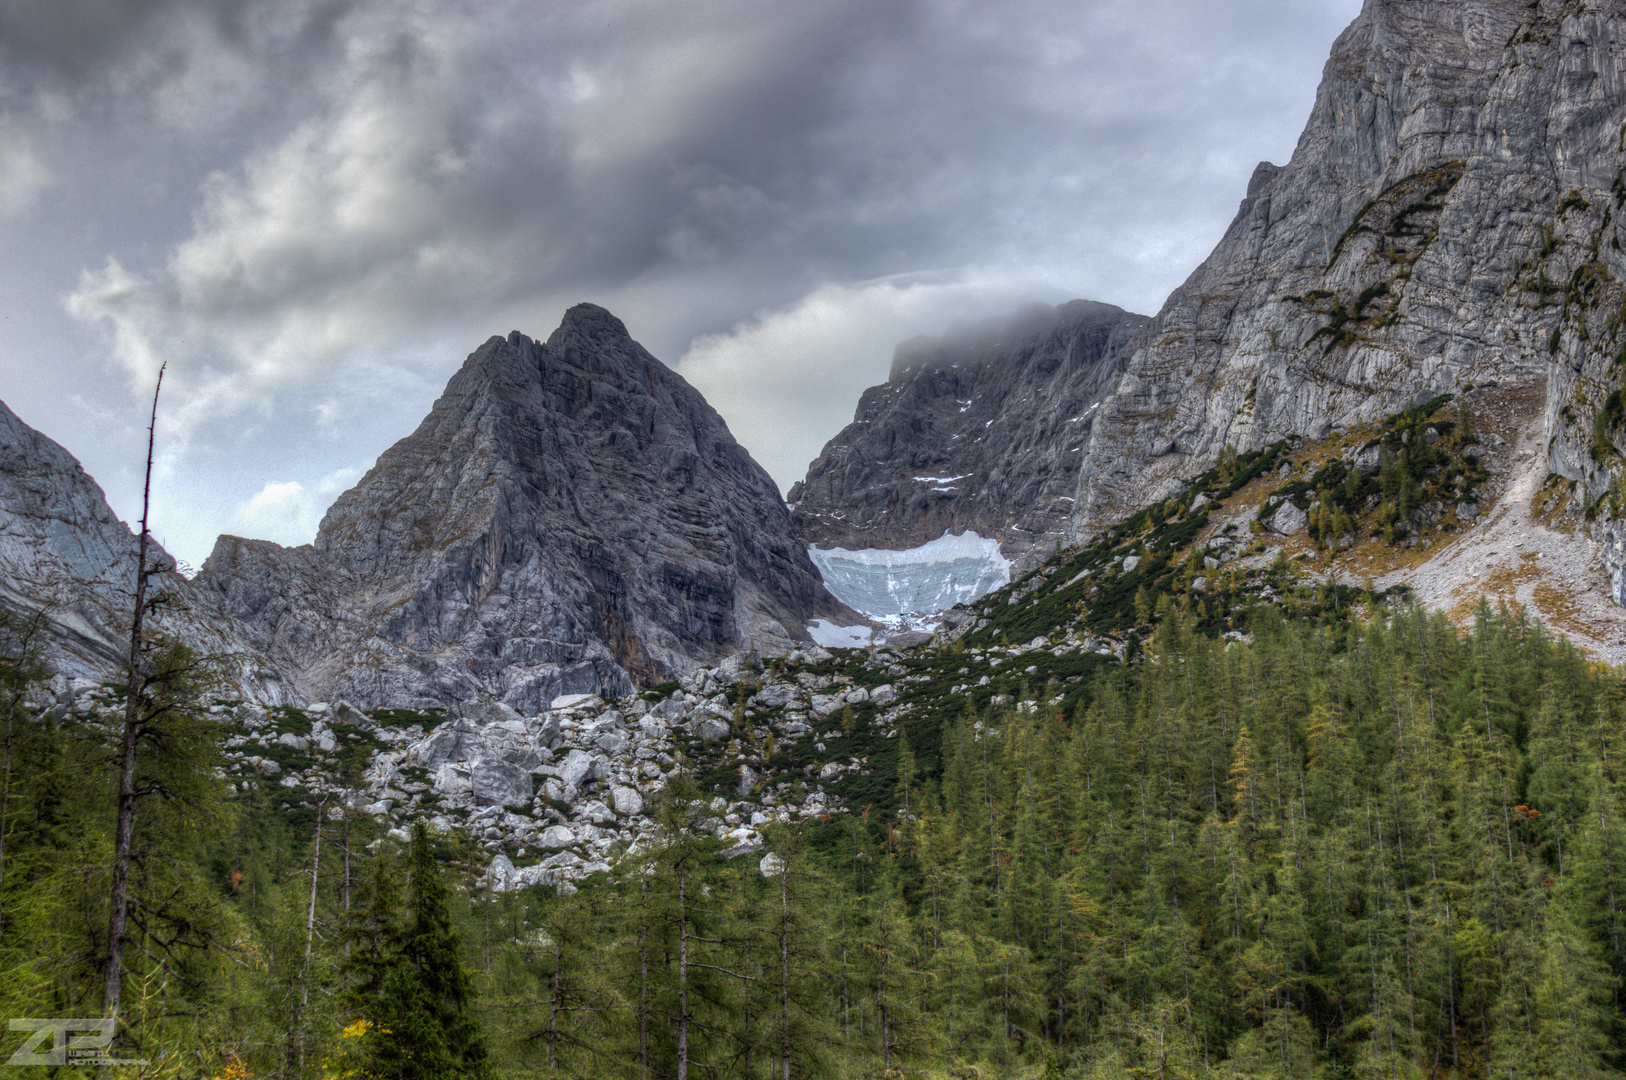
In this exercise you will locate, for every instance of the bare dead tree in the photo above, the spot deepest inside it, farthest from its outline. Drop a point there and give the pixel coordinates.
(124, 832)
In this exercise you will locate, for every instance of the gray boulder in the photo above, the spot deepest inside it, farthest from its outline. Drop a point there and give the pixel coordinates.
(711, 728)
(627, 800)
(500, 875)
(1288, 520)
(670, 710)
(499, 783)
(1367, 460)
(596, 812)
(555, 837)
(482, 713)
(547, 730)
(739, 667)
(581, 767)
(775, 696)
(456, 740)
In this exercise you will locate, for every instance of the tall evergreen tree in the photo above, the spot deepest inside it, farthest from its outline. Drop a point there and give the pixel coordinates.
(411, 988)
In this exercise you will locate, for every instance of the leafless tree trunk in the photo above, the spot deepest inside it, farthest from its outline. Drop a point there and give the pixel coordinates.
(683, 976)
(784, 968)
(124, 832)
(643, 978)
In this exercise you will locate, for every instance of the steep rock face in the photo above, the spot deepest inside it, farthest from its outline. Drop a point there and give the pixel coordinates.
(980, 430)
(570, 517)
(65, 555)
(1446, 219)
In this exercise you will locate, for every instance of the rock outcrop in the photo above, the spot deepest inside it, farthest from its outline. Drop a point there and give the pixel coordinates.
(66, 559)
(571, 517)
(1448, 218)
(980, 430)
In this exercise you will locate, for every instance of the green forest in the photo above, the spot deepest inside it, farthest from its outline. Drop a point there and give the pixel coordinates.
(1381, 847)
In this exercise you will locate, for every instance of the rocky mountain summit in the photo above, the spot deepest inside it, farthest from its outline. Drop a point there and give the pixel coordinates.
(980, 429)
(571, 517)
(67, 559)
(1448, 219)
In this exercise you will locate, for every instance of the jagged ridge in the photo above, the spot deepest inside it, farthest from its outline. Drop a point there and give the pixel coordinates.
(980, 429)
(571, 517)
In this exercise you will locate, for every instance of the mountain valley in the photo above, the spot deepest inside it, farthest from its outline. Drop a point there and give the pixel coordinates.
(1230, 692)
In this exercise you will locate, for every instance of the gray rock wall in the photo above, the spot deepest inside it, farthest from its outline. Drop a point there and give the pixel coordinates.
(570, 517)
(65, 556)
(1450, 200)
(980, 429)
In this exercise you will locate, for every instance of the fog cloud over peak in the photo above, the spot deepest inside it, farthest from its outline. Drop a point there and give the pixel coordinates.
(314, 209)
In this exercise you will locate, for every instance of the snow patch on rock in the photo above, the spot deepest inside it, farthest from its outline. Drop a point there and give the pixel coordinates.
(826, 633)
(924, 580)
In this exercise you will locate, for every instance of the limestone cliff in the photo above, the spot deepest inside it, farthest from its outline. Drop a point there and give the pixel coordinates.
(979, 429)
(1448, 218)
(571, 517)
(67, 561)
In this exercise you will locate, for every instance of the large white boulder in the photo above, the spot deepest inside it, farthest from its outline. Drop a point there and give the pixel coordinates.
(1288, 520)
(555, 837)
(627, 800)
(711, 728)
(500, 783)
(581, 766)
(500, 874)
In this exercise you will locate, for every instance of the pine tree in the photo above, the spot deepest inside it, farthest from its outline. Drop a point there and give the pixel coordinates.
(411, 988)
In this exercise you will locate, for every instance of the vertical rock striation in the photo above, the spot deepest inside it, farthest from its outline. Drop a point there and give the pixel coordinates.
(66, 557)
(570, 517)
(1450, 216)
(980, 429)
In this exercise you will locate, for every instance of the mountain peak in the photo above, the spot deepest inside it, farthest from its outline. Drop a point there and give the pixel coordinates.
(571, 517)
(592, 322)
(976, 429)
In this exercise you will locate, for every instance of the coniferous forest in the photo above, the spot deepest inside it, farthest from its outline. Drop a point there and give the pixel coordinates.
(1381, 847)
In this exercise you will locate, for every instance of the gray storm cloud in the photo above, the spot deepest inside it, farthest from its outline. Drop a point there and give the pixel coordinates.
(312, 210)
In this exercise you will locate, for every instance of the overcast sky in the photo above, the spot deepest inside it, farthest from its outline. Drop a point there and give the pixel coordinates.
(315, 209)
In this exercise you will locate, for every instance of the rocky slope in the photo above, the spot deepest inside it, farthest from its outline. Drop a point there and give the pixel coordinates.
(1448, 218)
(571, 517)
(66, 556)
(977, 430)
(556, 795)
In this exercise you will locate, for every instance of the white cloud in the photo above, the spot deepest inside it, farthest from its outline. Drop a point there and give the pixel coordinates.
(787, 380)
(317, 208)
(287, 512)
(22, 174)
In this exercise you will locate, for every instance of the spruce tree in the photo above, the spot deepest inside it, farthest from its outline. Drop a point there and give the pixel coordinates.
(412, 988)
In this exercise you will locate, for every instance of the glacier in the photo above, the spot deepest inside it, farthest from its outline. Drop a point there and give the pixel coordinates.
(906, 590)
